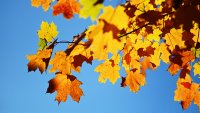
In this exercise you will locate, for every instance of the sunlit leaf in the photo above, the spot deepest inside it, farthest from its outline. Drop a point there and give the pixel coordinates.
(47, 31)
(109, 70)
(65, 85)
(67, 8)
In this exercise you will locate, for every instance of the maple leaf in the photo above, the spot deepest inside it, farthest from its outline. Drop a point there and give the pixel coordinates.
(104, 36)
(39, 60)
(116, 16)
(185, 16)
(61, 62)
(174, 38)
(80, 53)
(155, 16)
(45, 4)
(42, 44)
(187, 56)
(90, 9)
(180, 60)
(47, 31)
(78, 61)
(109, 69)
(164, 53)
(185, 70)
(187, 91)
(67, 8)
(130, 9)
(146, 64)
(104, 39)
(65, 85)
(155, 58)
(155, 35)
(134, 80)
(197, 68)
(174, 68)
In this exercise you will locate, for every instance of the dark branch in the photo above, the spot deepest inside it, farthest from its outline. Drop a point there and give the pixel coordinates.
(78, 38)
(133, 30)
(65, 42)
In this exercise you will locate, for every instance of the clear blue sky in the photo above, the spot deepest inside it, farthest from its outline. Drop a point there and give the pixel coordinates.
(23, 92)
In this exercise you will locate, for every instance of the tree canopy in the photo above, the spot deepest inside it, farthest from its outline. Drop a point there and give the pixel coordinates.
(135, 35)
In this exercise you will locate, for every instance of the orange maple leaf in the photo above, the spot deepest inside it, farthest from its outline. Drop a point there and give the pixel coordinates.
(67, 7)
(61, 62)
(187, 91)
(65, 85)
(134, 80)
(45, 4)
(174, 68)
(39, 60)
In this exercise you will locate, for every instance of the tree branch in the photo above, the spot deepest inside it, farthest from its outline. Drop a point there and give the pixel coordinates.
(64, 42)
(78, 38)
(133, 30)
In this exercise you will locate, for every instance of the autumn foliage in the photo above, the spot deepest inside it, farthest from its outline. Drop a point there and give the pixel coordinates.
(135, 35)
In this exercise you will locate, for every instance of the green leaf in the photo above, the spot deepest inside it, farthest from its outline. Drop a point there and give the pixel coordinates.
(42, 43)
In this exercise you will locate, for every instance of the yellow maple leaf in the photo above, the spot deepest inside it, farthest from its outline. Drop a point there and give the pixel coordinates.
(116, 16)
(39, 60)
(89, 9)
(45, 4)
(164, 53)
(109, 70)
(65, 85)
(155, 58)
(104, 39)
(155, 35)
(47, 31)
(174, 38)
(197, 68)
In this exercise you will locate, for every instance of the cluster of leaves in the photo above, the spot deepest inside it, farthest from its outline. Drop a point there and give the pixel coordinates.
(138, 35)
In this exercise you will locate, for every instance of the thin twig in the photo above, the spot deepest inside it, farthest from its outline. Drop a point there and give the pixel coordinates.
(133, 30)
(65, 42)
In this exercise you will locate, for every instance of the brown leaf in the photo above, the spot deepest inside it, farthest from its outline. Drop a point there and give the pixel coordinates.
(149, 51)
(185, 16)
(130, 10)
(79, 59)
(110, 27)
(123, 83)
(187, 37)
(151, 16)
(185, 70)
